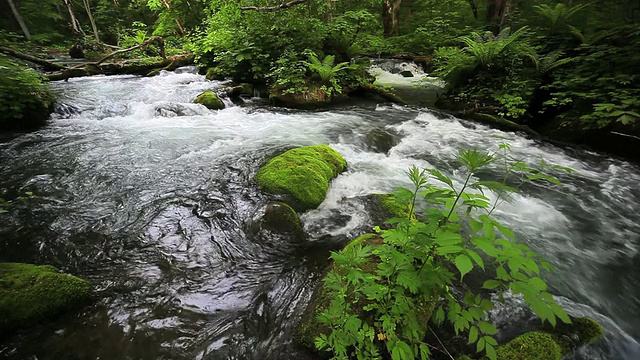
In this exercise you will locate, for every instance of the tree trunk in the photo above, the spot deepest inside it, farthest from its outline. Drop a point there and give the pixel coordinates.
(75, 24)
(93, 23)
(391, 17)
(16, 14)
(495, 9)
(509, 7)
(178, 22)
(474, 8)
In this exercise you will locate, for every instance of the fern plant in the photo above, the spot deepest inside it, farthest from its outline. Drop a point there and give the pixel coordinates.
(326, 70)
(382, 295)
(486, 49)
(557, 17)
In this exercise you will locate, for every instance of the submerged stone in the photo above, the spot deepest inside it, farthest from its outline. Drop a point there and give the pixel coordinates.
(301, 176)
(280, 218)
(381, 140)
(30, 294)
(210, 100)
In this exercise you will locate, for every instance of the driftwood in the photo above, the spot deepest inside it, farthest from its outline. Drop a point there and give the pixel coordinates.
(131, 67)
(47, 65)
(274, 8)
(153, 39)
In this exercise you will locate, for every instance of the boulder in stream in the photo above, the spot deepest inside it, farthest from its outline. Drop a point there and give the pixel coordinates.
(210, 100)
(406, 73)
(312, 97)
(301, 176)
(549, 343)
(31, 293)
(280, 218)
(381, 140)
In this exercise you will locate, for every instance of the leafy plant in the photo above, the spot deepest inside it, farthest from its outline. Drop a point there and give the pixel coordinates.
(558, 16)
(326, 70)
(383, 294)
(486, 48)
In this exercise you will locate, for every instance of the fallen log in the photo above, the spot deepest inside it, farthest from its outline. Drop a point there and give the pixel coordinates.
(273, 8)
(381, 92)
(47, 65)
(130, 67)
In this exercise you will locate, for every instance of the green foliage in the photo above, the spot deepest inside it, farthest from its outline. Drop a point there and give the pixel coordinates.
(487, 48)
(383, 294)
(25, 101)
(557, 17)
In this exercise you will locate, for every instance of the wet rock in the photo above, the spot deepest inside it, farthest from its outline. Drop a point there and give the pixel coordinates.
(312, 97)
(380, 140)
(210, 100)
(406, 73)
(281, 218)
(383, 207)
(30, 294)
(301, 176)
(76, 52)
(243, 89)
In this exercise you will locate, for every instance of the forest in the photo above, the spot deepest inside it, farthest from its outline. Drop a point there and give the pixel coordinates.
(422, 278)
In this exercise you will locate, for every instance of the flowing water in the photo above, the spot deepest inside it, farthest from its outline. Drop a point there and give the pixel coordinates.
(151, 198)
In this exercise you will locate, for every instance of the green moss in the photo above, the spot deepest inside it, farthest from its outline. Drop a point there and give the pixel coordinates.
(281, 218)
(391, 207)
(588, 330)
(30, 293)
(358, 241)
(534, 345)
(210, 100)
(214, 73)
(302, 175)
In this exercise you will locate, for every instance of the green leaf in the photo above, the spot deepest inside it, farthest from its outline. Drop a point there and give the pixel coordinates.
(491, 284)
(473, 335)
(464, 265)
(487, 328)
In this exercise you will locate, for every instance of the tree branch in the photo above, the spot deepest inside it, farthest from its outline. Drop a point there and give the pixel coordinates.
(48, 65)
(157, 39)
(274, 8)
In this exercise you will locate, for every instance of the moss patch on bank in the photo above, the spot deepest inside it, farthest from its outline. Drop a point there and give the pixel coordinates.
(30, 294)
(302, 175)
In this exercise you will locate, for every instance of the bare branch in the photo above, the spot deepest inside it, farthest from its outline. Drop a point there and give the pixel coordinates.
(157, 39)
(274, 8)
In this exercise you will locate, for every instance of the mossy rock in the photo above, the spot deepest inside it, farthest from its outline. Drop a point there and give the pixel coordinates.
(154, 72)
(302, 175)
(534, 345)
(551, 343)
(281, 218)
(383, 207)
(30, 294)
(236, 91)
(214, 73)
(309, 98)
(210, 100)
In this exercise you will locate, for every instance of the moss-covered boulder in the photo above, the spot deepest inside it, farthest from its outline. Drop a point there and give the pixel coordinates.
(549, 343)
(30, 294)
(214, 73)
(281, 218)
(302, 175)
(210, 100)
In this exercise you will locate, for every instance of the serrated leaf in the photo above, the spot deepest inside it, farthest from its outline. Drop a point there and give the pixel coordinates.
(487, 328)
(464, 265)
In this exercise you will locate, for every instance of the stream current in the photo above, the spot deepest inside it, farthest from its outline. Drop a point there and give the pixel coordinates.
(151, 198)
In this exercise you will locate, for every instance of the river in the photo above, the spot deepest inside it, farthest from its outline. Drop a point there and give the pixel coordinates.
(152, 199)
